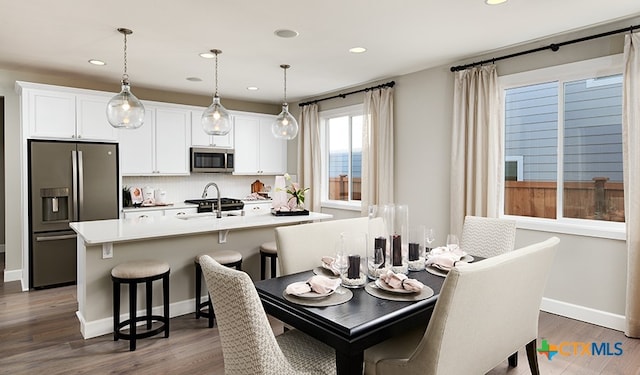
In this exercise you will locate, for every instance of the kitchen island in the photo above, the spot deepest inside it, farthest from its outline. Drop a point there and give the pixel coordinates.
(103, 244)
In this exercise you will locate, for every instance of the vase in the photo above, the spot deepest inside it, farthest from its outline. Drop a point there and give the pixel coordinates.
(396, 219)
(351, 256)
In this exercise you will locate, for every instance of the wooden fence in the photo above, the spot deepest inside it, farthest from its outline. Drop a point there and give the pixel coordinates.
(599, 199)
(339, 188)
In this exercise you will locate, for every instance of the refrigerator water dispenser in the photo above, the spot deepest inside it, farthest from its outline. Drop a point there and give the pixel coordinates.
(55, 203)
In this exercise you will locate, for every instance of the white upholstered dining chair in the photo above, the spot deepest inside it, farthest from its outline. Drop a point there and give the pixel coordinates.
(301, 247)
(249, 345)
(487, 237)
(485, 312)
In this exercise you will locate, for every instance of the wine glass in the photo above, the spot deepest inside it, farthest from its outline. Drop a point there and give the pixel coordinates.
(452, 242)
(375, 262)
(341, 263)
(429, 237)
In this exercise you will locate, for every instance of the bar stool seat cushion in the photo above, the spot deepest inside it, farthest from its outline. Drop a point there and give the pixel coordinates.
(139, 269)
(269, 248)
(222, 256)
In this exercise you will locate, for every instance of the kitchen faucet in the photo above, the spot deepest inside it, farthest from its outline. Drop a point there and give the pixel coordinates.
(204, 195)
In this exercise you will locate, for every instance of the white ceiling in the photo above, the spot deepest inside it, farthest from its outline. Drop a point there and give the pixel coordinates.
(401, 36)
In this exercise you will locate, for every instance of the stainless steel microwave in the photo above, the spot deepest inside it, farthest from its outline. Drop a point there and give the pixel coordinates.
(211, 160)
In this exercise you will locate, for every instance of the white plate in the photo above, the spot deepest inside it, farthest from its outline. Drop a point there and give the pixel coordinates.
(436, 271)
(384, 286)
(440, 267)
(310, 294)
(467, 258)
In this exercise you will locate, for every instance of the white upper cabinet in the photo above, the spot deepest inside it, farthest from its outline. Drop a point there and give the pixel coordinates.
(54, 112)
(137, 147)
(160, 146)
(173, 133)
(257, 151)
(201, 139)
(91, 118)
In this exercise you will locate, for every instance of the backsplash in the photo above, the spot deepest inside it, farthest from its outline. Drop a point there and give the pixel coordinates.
(179, 188)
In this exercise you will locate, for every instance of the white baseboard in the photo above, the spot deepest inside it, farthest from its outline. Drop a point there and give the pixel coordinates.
(104, 326)
(585, 314)
(12, 275)
(16, 275)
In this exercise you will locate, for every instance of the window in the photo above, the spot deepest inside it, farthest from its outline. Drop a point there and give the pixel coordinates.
(342, 150)
(563, 143)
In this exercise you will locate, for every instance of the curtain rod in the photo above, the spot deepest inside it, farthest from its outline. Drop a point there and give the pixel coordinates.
(553, 46)
(388, 84)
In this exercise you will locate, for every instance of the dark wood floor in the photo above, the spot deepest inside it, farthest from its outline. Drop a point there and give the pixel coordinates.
(39, 334)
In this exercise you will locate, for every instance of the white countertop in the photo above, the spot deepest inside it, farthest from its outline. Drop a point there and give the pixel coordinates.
(120, 230)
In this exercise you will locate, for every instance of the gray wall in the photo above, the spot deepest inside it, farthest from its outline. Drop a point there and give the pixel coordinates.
(423, 118)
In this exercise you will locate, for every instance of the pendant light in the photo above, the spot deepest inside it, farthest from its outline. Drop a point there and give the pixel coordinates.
(125, 110)
(216, 119)
(285, 126)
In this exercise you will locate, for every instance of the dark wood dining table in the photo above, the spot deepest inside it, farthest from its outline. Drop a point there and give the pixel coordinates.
(353, 326)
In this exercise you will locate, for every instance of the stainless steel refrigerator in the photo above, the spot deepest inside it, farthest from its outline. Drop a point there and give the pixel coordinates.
(68, 181)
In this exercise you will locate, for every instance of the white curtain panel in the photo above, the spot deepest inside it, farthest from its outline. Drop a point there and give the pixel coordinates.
(477, 146)
(631, 163)
(377, 148)
(310, 156)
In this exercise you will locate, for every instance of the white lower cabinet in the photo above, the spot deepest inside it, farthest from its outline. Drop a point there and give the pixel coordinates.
(180, 211)
(134, 214)
(254, 208)
(257, 151)
(159, 211)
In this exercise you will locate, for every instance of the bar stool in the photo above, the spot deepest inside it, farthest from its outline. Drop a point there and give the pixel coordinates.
(268, 250)
(229, 258)
(133, 273)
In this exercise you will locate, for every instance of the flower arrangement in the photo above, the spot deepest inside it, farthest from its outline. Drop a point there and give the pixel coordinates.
(295, 193)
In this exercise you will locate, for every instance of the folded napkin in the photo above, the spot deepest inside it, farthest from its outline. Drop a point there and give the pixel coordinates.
(444, 259)
(401, 281)
(329, 263)
(317, 283)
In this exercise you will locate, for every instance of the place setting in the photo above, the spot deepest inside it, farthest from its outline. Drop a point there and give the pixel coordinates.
(317, 291)
(441, 259)
(398, 287)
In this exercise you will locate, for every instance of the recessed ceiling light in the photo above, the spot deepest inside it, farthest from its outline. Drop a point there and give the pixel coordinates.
(97, 62)
(286, 33)
(494, 2)
(207, 55)
(357, 50)
(252, 88)
(194, 79)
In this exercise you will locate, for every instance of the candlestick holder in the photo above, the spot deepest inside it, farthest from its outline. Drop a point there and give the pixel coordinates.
(396, 217)
(417, 255)
(353, 246)
(378, 234)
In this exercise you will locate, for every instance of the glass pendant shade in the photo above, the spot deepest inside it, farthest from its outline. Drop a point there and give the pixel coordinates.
(285, 126)
(216, 119)
(125, 110)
